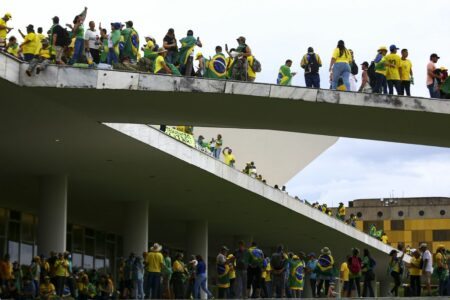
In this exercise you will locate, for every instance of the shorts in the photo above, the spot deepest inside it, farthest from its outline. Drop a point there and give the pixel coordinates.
(345, 286)
(427, 277)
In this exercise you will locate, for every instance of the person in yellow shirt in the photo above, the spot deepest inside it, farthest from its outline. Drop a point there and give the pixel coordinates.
(160, 63)
(341, 211)
(30, 44)
(13, 47)
(340, 65)
(61, 273)
(415, 273)
(251, 75)
(179, 276)
(407, 74)
(394, 71)
(41, 60)
(154, 265)
(47, 289)
(344, 277)
(228, 157)
(4, 29)
(384, 238)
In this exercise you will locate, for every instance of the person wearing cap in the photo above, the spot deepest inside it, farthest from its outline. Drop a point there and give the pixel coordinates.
(223, 273)
(395, 270)
(160, 63)
(113, 43)
(325, 265)
(355, 265)
(154, 266)
(41, 60)
(170, 44)
(310, 268)
(47, 289)
(57, 40)
(415, 272)
(179, 276)
(228, 157)
(4, 29)
(240, 64)
(394, 71)
(311, 63)
(92, 43)
(296, 276)
(13, 47)
(380, 85)
(186, 54)
(427, 268)
(131, 42)
(407, 74)
(431, 76)
(340, 66)
(284, 74)
(29, 45)
(201, 64)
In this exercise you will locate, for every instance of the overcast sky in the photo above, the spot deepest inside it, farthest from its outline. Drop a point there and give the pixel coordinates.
(277, 30)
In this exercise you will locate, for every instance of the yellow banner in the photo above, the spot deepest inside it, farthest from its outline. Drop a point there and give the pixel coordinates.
(181, 136)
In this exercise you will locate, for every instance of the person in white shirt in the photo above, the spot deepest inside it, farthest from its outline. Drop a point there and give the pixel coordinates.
(92, 42)
(427, 268)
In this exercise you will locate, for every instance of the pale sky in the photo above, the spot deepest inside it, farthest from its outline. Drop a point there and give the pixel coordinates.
(277, 30)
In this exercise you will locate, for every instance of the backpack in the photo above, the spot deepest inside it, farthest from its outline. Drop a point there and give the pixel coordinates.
(313, 65)
(277, 261)
(372, 263)
(371, 74)
(354, 68)
(355, 265)
(256, 66)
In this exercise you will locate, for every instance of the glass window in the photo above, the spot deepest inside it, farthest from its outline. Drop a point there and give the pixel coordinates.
(88, 262)
(77, 239)
(119, 246)
(27, 228)
(397, 225)
(14, 215)
(441, 235)
(69, 242)
(100, 238)
(99, 263)
(13, 250)
(2, 246)
(14, 231)
(77, 260)
(26, 253)
(2, 222)
(89, 246)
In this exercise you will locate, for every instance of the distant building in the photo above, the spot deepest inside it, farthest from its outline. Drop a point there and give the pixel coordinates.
(406, 220)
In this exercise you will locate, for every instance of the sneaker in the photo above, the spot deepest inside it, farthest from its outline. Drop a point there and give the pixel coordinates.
(28, 72)
(38, 70)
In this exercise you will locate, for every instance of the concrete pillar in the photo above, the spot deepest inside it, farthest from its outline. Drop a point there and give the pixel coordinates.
(197, 242)
(135, 237)
(385, 286)
(52, 213)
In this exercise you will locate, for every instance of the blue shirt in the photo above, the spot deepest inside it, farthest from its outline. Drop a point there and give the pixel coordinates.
(312, 266)
(201, 267)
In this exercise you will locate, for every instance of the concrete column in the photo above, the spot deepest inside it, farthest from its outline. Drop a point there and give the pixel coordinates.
(135, 237)
(385, 286)
(52, 213)
(197, 242)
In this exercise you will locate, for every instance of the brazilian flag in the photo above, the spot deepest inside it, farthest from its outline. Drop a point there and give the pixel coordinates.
(445, 87)
(284, 76)
(187, 47)
(174, 69)
(325, 264)
(217, 67)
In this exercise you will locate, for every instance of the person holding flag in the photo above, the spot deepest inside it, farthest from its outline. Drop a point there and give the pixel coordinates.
(324, 270)
(216, 67)
(186, 53)
(131, 42)
(296, 275)
(284, 74)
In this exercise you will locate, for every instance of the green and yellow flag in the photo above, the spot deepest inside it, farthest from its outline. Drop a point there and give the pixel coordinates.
(216, 67)
(284, 75)
(187, 47)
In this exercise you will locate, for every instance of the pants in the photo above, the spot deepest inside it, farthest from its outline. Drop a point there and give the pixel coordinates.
(434, 93)
(240, 284)
(178, 285)
(217, 152)
(380, 84)
(239, 71)
(171, 57)
(38, 63)
(139, 288)
(77, 51)
(405, 86)
(367, 286)
(352, 282)
(254, 279)
(312, 283)
(353, 83)
(296, 294)
(60, 280)
(95, 55)
(312, 80)
(28, 57)
(154, 285)
(397, 282)
(146, 284)
(112, 57)
(320, 285)
(200, 282)
(392, 84)
(268, 289)
(341, 70)
(278, 285)
(444, 287)
(415, 285)
(224, 293)
(59, 53)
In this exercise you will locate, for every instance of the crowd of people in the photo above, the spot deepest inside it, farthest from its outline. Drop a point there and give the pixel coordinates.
(120, 48)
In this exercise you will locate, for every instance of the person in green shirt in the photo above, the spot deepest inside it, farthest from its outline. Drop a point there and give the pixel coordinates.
(186, 53)
(296, 276)
(167, 274)
(284, 74)
(380, 71)
(131, 42)
(113, 43)
(78, 33)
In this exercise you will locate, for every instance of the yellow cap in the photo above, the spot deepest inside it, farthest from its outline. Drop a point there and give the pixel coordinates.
(230, 256)
(197, 56)
(382, 48)
(8, 15)
(444, 69)
(295, 257)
